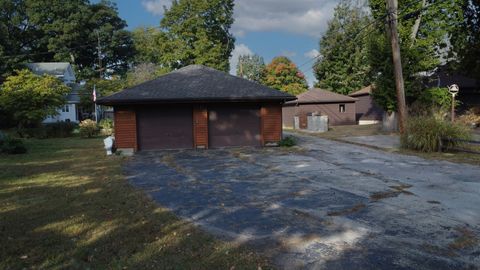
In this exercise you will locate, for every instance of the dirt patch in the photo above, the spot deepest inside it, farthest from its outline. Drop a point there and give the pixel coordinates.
(394, 192)
(465, 238)
(347, 211)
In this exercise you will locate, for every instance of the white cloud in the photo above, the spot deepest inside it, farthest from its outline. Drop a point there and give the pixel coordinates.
(312, 54)
(306, 17)
(156, 7)
(240, 49)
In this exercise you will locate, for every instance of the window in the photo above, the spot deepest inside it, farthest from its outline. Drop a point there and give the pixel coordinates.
(66, 108)
(341, 108)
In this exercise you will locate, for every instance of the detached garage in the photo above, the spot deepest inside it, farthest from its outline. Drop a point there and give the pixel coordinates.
(196, 107)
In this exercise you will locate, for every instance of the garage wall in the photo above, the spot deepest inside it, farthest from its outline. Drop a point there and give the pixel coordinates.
(271, 115)
(335, 117)
(125, 129)
(367, 109)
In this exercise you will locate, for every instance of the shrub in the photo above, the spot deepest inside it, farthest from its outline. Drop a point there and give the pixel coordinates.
(288, 141)
(427, 134)
(88, 128)
(106, 126)
(11, 145)
(49, 130)
(59, 129)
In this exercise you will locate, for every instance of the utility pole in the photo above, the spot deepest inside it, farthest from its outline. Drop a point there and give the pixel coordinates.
(392, 9)
(241, 67)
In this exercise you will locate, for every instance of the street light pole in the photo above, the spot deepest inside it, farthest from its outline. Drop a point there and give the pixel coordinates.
(453, 89)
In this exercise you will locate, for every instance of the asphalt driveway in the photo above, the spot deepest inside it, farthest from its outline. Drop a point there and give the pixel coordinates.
(324, 205)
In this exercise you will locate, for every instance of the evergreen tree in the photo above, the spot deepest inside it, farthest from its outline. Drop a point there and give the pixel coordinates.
(251, 67)
(197, 32)
(344, 66)
(283, 74)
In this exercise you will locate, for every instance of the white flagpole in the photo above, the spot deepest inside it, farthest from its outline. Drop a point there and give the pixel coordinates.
(94, 102)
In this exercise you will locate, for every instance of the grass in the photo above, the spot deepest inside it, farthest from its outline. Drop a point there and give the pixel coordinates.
(65, 205)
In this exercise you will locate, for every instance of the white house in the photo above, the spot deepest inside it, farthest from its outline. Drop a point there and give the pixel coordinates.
(63, 71)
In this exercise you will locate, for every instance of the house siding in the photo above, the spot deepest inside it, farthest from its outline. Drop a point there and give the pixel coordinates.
(271, 122)
(367, 109)
(335, 117)
(125, 129)
(200, 127)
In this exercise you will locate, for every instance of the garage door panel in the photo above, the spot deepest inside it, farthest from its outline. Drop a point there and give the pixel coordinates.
(234, 126)
(165, 128)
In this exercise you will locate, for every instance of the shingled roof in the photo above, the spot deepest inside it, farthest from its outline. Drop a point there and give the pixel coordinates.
(316, 95)
(364, 91)
(195, 83)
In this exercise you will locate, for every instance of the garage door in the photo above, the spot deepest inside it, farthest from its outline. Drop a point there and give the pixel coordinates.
(234, 126)
(165, 127)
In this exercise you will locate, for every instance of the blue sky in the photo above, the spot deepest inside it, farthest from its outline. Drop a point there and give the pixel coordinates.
(267, 27)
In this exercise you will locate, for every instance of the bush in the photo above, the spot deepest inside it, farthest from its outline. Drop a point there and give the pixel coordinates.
(428, 134)
(106, 126)
(49, 130)
(88, 128)
(288, 141)
(9, 145)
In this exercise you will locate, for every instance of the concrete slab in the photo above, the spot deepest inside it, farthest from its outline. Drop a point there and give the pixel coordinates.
(326, 205)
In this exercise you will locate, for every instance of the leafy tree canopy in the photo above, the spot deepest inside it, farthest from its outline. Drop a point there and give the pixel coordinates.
(28, 98)
(197, 32)
(251, 67)
(424, 29)
(283, 74)
(344, 66)
(147, 42)
(64, 30)
(466, 40)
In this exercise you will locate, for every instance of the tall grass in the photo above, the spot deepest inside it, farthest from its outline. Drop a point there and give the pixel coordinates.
(430, 134)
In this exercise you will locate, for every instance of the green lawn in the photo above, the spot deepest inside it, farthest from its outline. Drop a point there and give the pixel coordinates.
(66, 205)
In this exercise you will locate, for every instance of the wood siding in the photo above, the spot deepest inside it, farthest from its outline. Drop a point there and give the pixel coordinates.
(335, 117)
(367, 109)
(271, 121)
(200, 127)
(125, 129)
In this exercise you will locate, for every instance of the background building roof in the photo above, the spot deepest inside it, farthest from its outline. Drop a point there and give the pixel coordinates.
(53, 68)
(316, 95)
(195, 83)
(364, 91)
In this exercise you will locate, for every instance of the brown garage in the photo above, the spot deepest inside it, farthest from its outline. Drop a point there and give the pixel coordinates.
(340, 109)
(367, 111)
(196, 107)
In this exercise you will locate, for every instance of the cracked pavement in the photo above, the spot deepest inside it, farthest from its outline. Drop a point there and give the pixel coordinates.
(323, 204)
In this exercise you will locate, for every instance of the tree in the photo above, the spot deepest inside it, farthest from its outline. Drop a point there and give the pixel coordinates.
(103, 87)
(29, 98)
(143, 72)
(424, 30)
(283, 74)
(251, 67)
(197, 32)
(344, 66)
(65, 30)
(147, 42)
(466, 40)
